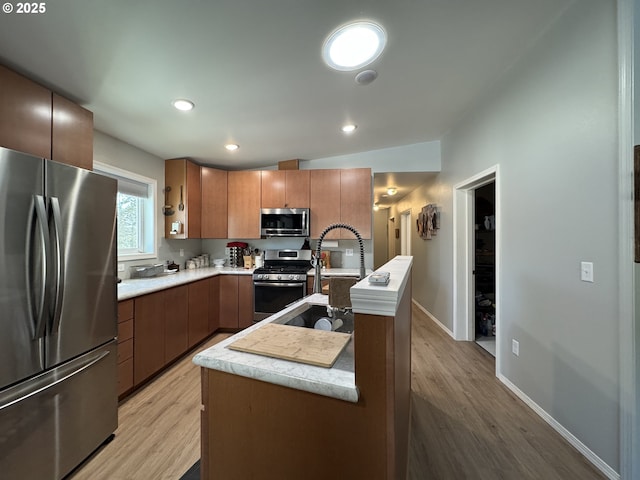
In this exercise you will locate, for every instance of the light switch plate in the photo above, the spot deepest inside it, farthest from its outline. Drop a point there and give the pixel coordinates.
(515, 347)
(586, 271)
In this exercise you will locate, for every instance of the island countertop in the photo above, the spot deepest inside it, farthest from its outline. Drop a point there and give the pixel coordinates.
(336, 382)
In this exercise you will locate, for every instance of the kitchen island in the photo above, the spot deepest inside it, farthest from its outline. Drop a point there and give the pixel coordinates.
(271, 418)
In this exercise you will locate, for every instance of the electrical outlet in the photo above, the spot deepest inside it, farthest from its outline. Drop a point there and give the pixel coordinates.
(586, 271)
(515, 347)
(349, 252)
(121, 267)
(182, 252)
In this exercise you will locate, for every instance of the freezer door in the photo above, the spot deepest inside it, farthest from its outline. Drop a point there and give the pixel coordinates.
(51, 423)
(82, 288)
(21, 284)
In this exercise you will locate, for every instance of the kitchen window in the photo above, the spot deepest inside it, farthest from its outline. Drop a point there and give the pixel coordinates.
(135, 211)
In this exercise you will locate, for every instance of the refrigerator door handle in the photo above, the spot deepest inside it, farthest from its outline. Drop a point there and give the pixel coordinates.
(37, 313)
(59, 256)
(44, 383)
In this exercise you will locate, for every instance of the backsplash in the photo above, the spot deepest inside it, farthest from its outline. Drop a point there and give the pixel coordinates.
(170, 250)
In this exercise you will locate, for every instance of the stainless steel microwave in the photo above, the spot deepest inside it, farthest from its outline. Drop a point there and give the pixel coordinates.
(284, 222)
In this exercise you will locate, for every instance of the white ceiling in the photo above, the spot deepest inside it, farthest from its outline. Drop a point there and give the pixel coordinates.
(254, 71)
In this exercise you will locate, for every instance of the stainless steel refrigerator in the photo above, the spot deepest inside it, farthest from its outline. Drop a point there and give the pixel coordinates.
(58, 316)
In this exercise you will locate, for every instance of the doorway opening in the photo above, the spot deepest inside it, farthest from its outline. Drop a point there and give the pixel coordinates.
(405, 233)
(484, 272)
(464, 259)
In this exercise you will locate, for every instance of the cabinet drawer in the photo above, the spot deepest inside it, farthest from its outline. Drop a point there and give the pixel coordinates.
(125, 310)
(125, 330)
(125, 350)
(125, 376)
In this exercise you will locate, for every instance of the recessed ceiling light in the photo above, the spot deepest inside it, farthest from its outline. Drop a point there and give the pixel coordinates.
(231, 147)
(350, 128)
(354, 45)
(392, 191)
(184, 105)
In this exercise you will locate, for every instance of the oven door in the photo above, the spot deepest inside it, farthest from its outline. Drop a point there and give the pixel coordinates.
(271, 297)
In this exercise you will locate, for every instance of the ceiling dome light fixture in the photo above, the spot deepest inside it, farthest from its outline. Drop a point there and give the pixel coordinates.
(184, 105)
(392, 191)
(349, 128)
(232, 147)
(354, 45)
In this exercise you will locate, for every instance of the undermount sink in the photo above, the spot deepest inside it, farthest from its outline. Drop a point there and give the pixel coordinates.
(308, 318)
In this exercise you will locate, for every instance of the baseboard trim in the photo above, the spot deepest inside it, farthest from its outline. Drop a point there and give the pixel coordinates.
(435, 320)
(566, 434)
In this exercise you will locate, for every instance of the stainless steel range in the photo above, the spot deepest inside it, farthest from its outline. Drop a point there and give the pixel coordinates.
(281, 281)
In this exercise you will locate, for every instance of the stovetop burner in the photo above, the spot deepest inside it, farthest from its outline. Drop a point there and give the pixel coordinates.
(283, 269)
(281, 265)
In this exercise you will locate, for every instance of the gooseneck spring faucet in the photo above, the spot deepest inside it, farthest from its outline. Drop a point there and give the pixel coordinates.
(317, 281)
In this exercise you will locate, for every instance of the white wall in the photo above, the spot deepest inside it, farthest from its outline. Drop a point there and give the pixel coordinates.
(418, 157)
(114, 152)
(551, 127)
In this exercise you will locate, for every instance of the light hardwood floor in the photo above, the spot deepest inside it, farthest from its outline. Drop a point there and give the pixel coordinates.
(465, 423)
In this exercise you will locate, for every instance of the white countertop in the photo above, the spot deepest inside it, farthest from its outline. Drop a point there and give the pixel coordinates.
(134, 287)
(336, 382)
(382, 300)
(338, 272)
(141, 286)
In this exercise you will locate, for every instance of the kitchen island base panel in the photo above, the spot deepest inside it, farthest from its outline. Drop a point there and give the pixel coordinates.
(256, 429)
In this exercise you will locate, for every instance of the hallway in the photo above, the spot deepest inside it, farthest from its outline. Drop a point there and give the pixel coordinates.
(467, 425)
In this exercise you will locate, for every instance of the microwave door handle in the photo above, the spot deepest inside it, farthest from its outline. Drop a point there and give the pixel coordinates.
(38, 208)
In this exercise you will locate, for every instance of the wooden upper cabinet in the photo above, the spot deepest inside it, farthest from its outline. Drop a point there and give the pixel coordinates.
(244, 197)
(273, 188)
(214, 202)
(71, 133)
(183, 194)
(341, 196)
(285, 188)
(324, 196)
(297, 191)
(25, 114)
(355, 201)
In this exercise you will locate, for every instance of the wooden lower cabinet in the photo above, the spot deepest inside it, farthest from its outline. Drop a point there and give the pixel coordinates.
(176, 327)
(228, 301)
(156, 329)
(198, 311)
(125, 346)
(236, 301)
(245, 301)
(149, 336)
(214, 304)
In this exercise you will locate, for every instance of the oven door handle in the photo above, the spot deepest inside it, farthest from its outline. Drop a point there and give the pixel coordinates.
(276, 284)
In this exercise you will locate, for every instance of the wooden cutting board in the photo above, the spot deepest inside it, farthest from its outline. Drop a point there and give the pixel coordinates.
(304, 345)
